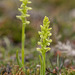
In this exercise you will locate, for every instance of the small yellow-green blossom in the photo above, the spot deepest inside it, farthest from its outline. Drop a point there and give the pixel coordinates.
(24, 10)
(45, 36)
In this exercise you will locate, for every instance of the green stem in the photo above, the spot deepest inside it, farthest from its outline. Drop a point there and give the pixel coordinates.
(44, 66)
(23, 42)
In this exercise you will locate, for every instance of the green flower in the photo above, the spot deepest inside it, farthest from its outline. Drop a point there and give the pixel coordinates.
(45, 36)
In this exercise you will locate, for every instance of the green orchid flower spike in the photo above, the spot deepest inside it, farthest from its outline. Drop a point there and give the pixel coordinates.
(44, 42)
(23, 17)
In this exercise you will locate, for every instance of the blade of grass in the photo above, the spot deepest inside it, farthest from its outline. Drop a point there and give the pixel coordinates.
(19, 61)
(41, 72)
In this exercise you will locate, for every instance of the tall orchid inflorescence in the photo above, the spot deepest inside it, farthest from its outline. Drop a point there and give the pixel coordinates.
(24, 10)
(44, 42)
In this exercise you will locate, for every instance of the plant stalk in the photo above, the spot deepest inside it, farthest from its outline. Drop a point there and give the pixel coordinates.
(44, 66)
(23, 42)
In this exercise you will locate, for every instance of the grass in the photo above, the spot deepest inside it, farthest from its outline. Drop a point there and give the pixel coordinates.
(32, 65)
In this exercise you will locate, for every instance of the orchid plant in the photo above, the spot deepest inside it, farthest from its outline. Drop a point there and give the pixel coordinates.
(44, 43)
(23, 17)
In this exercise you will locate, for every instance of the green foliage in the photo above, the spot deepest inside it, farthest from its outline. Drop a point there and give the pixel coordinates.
(24, 10)
(44, 42)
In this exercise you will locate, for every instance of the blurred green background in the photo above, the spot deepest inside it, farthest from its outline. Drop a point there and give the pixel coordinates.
(60, 12)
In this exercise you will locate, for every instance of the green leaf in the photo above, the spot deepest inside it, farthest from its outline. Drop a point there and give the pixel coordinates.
(41, 69)
(19, 61)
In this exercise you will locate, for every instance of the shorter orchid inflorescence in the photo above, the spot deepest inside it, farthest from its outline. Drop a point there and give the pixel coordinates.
(44, 43)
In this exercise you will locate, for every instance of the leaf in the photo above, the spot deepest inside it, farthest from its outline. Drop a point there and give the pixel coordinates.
(41, 69)
(19, 61)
